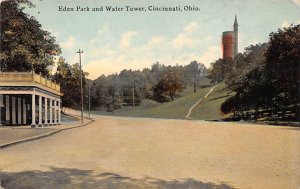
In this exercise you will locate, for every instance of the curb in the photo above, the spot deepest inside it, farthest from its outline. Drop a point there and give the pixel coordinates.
(44, 135)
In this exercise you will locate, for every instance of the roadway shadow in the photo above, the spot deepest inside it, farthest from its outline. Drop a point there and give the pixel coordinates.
(76, 178)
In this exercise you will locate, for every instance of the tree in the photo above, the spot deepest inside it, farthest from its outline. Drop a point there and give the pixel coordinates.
(252, 59)
(255, 56)
(113, 96)
(283, 67)
(98, 93)
(194, 72)
(221, 69)
(247, 81)
(271, 78)
(69, 78)
(169, 85)
(148, 85)
(63, 75)
(25, 46)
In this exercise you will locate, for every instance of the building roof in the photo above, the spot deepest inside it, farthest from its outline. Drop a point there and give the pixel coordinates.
(228, 33)
(28, 79)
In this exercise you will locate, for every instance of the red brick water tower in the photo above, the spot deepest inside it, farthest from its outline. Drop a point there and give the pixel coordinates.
(230, 42)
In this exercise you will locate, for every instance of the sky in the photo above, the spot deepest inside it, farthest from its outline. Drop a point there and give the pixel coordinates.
(113, 41)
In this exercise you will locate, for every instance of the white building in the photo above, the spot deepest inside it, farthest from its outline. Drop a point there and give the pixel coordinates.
(29, 99)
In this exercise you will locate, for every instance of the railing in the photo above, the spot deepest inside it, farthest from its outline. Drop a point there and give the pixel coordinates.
(28, 77)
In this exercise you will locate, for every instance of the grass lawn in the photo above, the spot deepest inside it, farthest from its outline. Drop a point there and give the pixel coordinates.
(176, 109)
(208, 109)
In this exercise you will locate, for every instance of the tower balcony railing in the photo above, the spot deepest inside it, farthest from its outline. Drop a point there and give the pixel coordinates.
(20, 78)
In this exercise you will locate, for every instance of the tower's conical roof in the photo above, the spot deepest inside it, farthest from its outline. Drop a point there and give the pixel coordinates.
(235, 21)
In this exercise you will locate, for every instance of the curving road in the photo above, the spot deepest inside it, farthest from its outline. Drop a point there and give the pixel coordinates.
(117, 152)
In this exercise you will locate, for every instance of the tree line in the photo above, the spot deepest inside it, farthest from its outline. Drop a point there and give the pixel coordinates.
(264, 79)
(129, 87)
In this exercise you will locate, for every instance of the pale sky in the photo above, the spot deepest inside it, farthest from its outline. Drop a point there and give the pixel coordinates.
(113, 41)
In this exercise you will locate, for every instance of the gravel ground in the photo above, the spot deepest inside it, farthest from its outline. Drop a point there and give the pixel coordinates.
(118, 152)
(10, 134)
(15, 133)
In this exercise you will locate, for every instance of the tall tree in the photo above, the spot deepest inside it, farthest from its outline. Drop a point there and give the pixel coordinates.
(69, 78)
(195, 71)
(25, 46)
(169, 85)
(221, 70)
(283, 67)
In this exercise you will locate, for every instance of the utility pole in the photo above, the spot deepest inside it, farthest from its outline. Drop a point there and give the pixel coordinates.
(133, 98)
(1, 106)
(89, 99)
(32, 70)
(1, 103)
(81, 90)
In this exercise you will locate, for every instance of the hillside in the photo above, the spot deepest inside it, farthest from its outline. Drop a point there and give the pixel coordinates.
(208, 109)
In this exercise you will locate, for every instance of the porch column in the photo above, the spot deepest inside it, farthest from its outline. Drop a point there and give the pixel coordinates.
(33, 124)
(1, 105)
(55, 111)
(19, 111)
(24, 112)
(51, 112)
(13, 110)
(46, 111)
(59, 112)
(7, 109)
(40, 110)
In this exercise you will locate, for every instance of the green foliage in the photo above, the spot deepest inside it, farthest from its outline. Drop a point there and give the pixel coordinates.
(195, 71)
(267, 78)
(220, 70)
(169, 85)
(283, 63)
(25, 46)
(69, 78)
(130, 88)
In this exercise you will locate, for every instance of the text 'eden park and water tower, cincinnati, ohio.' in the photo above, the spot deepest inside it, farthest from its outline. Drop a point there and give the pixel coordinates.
(150, 8)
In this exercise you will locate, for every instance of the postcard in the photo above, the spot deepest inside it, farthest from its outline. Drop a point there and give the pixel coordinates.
(149, 94)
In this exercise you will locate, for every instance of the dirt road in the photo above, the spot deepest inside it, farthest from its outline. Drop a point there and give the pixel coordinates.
(117, 152)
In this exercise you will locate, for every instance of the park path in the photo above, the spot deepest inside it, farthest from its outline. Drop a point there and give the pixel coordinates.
(191, 109)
